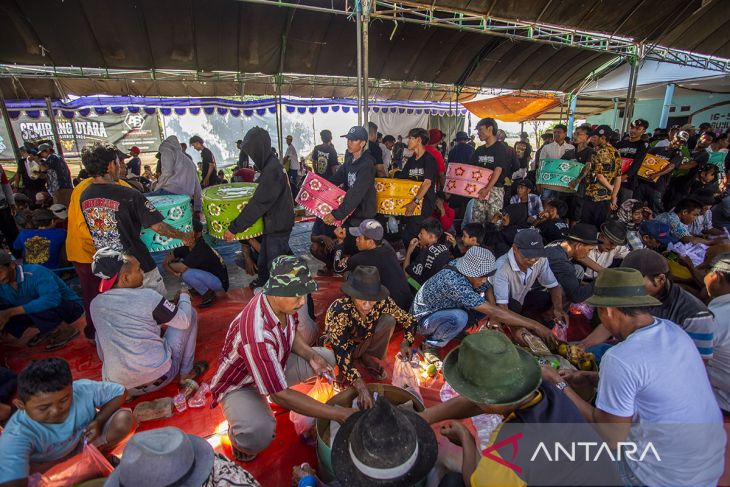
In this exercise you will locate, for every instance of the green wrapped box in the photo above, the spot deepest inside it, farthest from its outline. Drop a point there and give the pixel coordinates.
(177, 212)
(223, 203)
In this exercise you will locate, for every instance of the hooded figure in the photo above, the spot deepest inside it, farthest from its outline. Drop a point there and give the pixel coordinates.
(178, 174)
(272, 200)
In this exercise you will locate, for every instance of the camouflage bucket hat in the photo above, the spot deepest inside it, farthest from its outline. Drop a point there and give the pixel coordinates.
(290, 277)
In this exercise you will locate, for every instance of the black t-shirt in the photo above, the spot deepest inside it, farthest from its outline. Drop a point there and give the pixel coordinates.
(204, 258)
(420, 170)
(636, 151)
(391, 274)
(493, 157)
(428, 262)
(134, 166)
(324, 160)
(115, 216)
(30, 186)
(552, 230)
(206, 157)
(375, 151)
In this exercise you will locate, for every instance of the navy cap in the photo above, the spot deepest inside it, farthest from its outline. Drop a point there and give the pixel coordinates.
(603, 131)
(656, 230)
(529, 242)
(356, 133)
(462, 136)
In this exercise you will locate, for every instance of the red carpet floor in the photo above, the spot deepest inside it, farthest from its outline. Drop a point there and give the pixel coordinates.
(273, 466)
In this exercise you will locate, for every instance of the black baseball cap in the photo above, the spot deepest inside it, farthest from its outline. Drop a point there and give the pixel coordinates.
(356, 133)
(603, 131)
(462, 136)
(640, 122)
(529, 241)
(526, 183)
(106, 265)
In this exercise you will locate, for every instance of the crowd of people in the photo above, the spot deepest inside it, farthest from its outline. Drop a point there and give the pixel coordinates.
(641, 260)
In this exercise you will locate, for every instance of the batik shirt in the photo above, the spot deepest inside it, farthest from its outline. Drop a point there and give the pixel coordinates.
(605, 161)
(346, 328)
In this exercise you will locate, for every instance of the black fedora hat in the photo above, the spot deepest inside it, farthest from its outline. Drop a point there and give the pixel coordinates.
(384, 446)
(364, 283)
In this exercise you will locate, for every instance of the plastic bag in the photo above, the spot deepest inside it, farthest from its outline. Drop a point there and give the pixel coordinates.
(405, 376)
(304, 425)
(87, 465)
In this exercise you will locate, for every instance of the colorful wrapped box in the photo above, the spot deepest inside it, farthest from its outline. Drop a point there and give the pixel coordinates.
(626, 164)
(319, 197)
(392, 195)
(466, 180)
(177, 212)
(557, 174)
(223, 203)
(651, 166)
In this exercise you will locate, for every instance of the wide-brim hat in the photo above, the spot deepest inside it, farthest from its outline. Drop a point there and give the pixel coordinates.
(488, 368)
(620, 287)
(407, 429)
(164, 456)
(364, 283)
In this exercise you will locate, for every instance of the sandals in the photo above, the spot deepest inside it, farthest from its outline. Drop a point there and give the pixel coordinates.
(39, 338)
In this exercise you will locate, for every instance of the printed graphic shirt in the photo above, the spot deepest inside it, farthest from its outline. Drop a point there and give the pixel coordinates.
(605, 161)
(448, 289)
(346, 328)
(324, 160)
(428, 262)
(115, 216)
(41, 246)
(493, 157)
(420, 170)
(58, 174)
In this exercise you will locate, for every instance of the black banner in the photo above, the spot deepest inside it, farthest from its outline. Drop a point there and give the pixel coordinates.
(124, 130)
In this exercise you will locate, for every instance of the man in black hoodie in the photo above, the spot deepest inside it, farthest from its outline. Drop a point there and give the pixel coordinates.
(357, 177)
(272, 200)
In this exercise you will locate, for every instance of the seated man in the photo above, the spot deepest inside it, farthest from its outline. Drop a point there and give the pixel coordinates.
(582, 238)
(374, 251)
(675, 303)
(702, 225)
(199, 266)
(56, 416)
(359, 326)
(678, 219)
(611, 247)
(263, 355)
(717, 282)
(432, 256)
(32, 296)
(128, 318)
(523, 401)
(654, 235)
(443, 303)
(551, 223)
(517, 272)
(44, 244)
(472, 235)
(525, 195)
(652, 388)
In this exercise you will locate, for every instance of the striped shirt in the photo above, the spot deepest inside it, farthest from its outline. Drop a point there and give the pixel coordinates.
(255, 351)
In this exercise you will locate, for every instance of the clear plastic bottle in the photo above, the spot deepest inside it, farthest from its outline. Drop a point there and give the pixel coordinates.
(199, 398)
(180, 402)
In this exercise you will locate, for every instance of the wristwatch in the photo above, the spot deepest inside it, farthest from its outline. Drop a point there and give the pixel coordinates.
(561, 385)
(416, 200)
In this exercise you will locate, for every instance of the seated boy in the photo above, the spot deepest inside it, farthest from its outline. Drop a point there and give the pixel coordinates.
(55, 415)
(199, 266)
(132, 349)
(551, 224)
(432, 256)
(524, 195)
(472, 235)
(43, 244)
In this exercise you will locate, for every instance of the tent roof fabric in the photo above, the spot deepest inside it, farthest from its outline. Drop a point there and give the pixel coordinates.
(235, 36)
(512, 108)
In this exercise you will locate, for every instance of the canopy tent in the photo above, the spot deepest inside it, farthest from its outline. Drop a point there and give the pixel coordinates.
(514, 107)
(202, 47)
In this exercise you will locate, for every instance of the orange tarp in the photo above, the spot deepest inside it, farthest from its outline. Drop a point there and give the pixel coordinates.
(512, 108)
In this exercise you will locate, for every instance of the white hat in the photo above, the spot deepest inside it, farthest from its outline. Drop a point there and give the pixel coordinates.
(477, 262)
(59, 211)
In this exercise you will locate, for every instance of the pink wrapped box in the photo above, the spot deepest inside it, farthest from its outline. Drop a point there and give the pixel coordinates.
(466, 180)
(319, 197)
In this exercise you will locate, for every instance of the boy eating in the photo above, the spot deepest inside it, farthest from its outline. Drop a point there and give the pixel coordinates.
(55, 416)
